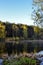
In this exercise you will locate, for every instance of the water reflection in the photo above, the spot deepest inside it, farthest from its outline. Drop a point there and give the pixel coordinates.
(19, 47)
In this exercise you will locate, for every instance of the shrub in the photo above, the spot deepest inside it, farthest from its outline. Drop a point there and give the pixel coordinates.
(20, 61)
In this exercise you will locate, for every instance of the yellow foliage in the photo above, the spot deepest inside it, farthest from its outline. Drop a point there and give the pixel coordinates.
(36, 29)
(2, 30)
(24, 27)
(14, 26)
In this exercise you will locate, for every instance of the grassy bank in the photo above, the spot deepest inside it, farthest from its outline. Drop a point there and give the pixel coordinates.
(20, 61)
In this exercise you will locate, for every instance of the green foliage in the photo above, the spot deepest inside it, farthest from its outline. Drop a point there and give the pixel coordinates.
(20, 61)
(25, 31)
(33, 62)
(37, 14)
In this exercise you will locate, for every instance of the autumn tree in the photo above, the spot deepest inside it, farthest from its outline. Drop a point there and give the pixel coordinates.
(15, 31)
(2, 30)
(25, 34)
(37, 31)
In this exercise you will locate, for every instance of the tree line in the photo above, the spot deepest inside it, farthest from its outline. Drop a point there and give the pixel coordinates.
(18, 31)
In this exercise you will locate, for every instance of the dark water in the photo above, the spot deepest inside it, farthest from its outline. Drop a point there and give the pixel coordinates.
(20, 47)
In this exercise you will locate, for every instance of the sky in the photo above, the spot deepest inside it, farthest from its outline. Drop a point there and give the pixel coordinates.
(16, 11)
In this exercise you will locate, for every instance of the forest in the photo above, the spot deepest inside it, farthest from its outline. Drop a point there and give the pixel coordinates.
(19, 31)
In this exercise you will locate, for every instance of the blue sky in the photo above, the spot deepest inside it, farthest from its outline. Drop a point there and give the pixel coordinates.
(17, 11)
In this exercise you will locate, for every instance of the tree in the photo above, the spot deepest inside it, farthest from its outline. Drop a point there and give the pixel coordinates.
(9, 30)
(20, 31)
(25, 31)
(37, 14)
(41, 34)
(30, 32)
(14, 29)
(37, 32)
(2, 30)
